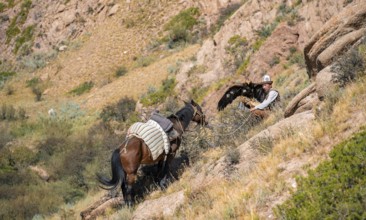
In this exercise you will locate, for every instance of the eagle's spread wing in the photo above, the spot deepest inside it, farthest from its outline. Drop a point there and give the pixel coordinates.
(230, 95)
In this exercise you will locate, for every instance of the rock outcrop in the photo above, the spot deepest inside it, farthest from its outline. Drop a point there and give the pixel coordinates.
(335, 37)
(342, 32)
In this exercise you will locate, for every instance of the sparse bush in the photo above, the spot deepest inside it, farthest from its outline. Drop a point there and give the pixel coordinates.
(237, 48)
(197, 69)
(335, 189)
(129, 23)
(263, 144)
(9, 90)
(33, 82)
(297, 58)
(171, 105)
(21, 113)
(121, 71)
(82, 88)
(37, 60)
(330, 99)
(233, 156)
(198, 93)
(38, 92)
(225, 13)
(349, 66)
(5, 135)
(7, 112)
(195, 143)
(144, 61)
(275, 60)
(70, 110)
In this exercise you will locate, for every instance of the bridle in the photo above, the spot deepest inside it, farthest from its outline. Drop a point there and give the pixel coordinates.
(201, 115)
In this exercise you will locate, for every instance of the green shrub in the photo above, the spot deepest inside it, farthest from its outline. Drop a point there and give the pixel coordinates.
(33, 82)
(335, 189)
(161, 94)
(2, 7)
(180, 26)
(258, 43)
(13, 29)
(120, 111)
(121, 71)
(267, 30)
(186, 19)
(82, 88)
(4, 76)
(26, 36)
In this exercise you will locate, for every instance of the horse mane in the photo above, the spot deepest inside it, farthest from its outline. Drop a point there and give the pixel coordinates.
(185, 115)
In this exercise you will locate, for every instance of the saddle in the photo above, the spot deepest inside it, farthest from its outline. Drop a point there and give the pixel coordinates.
(165, 124)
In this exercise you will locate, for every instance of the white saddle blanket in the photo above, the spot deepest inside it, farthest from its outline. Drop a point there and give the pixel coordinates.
(153, 135)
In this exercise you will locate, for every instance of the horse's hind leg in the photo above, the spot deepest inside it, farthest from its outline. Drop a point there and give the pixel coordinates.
(129, 195)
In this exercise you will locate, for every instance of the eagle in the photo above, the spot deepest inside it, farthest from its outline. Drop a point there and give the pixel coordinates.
(249, 90)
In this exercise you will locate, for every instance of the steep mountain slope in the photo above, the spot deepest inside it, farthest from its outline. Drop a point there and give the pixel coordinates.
(260, 37)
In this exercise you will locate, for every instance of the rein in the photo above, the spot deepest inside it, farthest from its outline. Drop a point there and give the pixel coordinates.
(231, 133)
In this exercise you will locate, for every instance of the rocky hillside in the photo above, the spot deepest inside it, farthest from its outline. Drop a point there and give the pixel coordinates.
(113, 49)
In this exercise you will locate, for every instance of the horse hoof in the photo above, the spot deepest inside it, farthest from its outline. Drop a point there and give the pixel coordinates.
(163, 185)
(129, 204)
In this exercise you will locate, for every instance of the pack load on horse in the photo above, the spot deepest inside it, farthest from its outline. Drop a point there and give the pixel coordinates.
(135, 151)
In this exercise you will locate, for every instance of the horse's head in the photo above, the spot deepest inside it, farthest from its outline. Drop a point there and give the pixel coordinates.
(198, 115)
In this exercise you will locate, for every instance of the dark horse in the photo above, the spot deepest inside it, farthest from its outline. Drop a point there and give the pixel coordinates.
(250, 90)
(130, 155)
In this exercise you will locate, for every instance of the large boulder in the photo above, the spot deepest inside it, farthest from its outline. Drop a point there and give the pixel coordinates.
(336, 36)
(302, 101)
(324, 82)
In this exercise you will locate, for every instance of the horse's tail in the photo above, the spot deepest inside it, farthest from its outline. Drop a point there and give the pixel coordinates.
(118, 175)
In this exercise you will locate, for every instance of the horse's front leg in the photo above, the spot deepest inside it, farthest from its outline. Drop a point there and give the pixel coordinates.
(165, 171)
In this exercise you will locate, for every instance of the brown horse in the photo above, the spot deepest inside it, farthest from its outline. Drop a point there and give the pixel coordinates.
(130, 155)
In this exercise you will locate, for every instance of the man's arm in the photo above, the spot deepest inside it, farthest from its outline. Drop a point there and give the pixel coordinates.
(271, 97)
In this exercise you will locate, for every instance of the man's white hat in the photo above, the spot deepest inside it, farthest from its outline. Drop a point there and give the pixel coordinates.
(266, 80)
